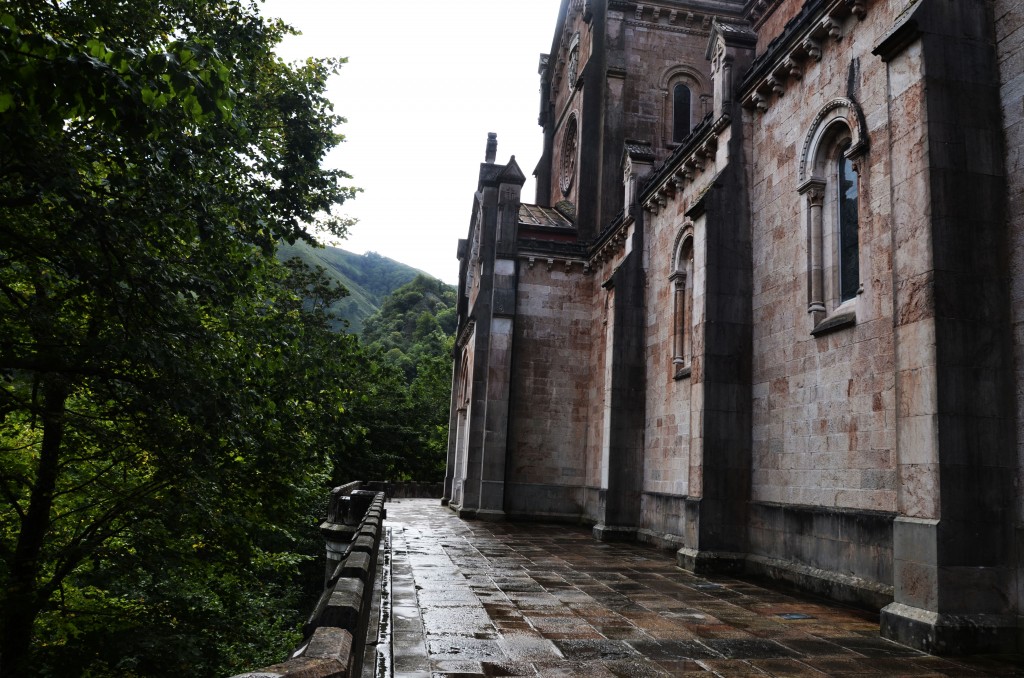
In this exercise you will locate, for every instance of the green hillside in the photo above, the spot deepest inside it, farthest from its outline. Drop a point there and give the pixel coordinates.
(369, 278)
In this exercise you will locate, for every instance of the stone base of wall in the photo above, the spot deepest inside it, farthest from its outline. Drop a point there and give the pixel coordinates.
(664, 519)
(949, 634)
(844, 554)
(827, 584)
(534, 501)
(841, 554)
(711, 562)
(603, 532)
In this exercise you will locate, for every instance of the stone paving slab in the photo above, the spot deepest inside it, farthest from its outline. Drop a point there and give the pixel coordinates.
(476, 599)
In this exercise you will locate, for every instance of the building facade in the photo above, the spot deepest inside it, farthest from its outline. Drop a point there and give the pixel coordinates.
(769, 309)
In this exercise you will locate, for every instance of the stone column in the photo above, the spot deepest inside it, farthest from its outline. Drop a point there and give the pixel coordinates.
(815, 192)
(679, 342)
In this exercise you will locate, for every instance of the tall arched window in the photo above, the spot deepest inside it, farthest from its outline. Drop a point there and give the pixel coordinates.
(846, 216)
(830, 187)
(682, 302)
(681, 107)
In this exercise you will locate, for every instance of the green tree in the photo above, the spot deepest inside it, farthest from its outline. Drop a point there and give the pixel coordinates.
(411, 339)
(164, 393)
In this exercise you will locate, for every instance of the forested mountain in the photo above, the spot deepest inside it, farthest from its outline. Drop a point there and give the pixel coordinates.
(409, 343)
(413, 323)
(369, 278)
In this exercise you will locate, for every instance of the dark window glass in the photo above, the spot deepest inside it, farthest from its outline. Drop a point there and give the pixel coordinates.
(680, 112)
(849, 264)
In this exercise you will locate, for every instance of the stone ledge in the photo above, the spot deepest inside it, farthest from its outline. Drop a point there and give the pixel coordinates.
(338, 532)
(329, 643)
(835, 322)
(662, 540)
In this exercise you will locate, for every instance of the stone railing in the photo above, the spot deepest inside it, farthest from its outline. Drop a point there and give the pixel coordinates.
(336, 631)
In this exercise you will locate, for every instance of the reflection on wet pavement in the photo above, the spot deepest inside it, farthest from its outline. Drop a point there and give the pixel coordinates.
(472, 599)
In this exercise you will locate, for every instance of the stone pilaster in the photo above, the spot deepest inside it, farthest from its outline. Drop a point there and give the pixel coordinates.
(952, 542)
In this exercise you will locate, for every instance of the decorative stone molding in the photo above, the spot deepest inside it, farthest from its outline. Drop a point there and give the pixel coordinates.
(673, 20)
(465, 334)
(686, 230)
(759, 10)
(567, 263)
(812, 48)
(684, 167)
(803, 42)
(843, 109)
(794, 69)
(612, 246)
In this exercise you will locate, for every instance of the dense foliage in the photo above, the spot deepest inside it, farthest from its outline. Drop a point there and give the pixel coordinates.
(411, 340)
(170, 396)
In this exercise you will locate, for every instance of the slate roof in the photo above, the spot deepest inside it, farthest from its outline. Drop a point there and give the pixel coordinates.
(543, 217)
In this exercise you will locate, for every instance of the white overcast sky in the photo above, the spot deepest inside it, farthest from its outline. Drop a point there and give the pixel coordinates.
(424, 84)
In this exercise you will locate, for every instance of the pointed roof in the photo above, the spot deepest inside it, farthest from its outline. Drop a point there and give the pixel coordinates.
(512, 174)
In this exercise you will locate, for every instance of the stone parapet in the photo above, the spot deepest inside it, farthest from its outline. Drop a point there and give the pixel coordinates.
(327, 655)
(336, 630)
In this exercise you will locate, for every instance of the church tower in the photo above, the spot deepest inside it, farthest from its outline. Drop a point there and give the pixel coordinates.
(618, 73)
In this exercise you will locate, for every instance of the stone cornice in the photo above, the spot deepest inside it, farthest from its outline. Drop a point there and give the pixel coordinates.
(703, 30)
(692, 18)
(528, 247)
(549, 262)
(803, 41)
(551, 254)
(686, 163)
(758, 11)
(612, 241)
(466, 333)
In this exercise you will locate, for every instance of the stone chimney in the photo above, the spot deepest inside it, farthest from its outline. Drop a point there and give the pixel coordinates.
(492, 147)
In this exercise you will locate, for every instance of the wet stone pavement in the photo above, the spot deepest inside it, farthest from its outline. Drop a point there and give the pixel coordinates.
(471, 598)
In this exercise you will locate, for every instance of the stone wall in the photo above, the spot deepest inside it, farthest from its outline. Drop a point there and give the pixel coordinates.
(548, 436)
(656, 53)
(824, 406)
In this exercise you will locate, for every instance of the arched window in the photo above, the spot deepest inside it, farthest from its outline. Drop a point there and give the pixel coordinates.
(830, 187)
(682, 302)
(684, 89)
(846, 216)
(681, 109)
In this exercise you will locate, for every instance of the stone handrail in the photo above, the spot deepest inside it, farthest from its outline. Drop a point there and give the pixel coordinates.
(336, 631)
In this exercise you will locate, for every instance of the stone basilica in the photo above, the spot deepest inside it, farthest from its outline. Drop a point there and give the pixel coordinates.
(768, 310)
